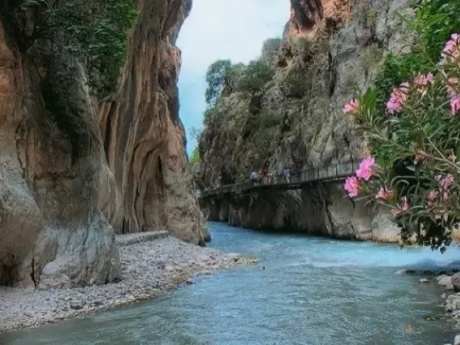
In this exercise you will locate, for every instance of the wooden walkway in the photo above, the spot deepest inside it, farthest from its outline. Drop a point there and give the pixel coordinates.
(327, 174)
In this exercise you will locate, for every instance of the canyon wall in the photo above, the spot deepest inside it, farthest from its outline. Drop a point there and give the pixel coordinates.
(66, 186)
(329, 50)
(143, 136)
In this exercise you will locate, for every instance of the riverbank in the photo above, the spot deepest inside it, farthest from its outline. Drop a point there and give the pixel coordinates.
(149, 269)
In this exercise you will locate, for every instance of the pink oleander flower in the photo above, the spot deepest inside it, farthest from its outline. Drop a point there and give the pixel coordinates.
(419, 158)
(351, 107)
(445, 181)
(400, 209)
(431, 196)
(352, 186)
(424, 80)
(451, 50)
(455, 105)
(384, 194)
(366, 169)
(421, 82)
(398, 98)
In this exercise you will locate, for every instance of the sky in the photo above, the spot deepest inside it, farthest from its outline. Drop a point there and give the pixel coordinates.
(222, 29)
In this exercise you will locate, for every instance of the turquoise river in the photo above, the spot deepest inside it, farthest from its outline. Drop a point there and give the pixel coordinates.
(305, 291)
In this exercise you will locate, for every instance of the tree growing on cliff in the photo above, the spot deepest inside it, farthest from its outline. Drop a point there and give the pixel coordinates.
(255, 78)
(222, 78)
(95, 32)
(415, 134)
(270, 50)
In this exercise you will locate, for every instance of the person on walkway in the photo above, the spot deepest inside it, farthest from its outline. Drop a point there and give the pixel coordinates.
(287, 175)
(265, 176)
(253, 177)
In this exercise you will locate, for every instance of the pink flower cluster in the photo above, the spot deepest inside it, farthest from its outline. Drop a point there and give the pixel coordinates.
(455, 105)
(419, 158)
(402, 208)
(351, 107)
(451, 52)
(437, 200)
(352, 186)
(366, 170)
(384, 193)
(400, 94)
(445, 182)
(398, 98)
(424, 80)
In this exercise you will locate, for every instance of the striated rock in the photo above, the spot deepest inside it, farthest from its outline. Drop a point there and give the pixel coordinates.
(52, 231)
(73, 171)
(338, 44)
(143, 136)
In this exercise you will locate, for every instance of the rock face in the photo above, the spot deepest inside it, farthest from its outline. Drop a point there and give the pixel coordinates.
(330, 49)
(60, 201)
(143, 135)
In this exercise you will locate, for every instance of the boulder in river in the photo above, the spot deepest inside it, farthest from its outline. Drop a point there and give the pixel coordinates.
(455, 280)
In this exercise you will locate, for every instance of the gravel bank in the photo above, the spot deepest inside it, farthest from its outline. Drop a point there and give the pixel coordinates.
(149, 270)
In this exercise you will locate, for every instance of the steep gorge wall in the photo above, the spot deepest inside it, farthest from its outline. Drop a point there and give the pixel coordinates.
(144, 139)
(64, 186)
(330, 49)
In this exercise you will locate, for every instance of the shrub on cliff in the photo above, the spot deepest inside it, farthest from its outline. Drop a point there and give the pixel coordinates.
(93, 31)
(270, 51)
(222, 78)
(415, 136)
(255, 78)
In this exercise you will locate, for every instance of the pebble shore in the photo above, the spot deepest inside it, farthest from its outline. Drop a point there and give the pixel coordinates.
(149, 270)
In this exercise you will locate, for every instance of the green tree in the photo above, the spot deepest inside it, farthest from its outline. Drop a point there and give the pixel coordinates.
(270, 50)
(195, 158)
(255, 77)
(222, 78)
(95, 32)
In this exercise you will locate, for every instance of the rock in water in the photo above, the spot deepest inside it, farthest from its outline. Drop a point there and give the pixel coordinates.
(455, 280)
(444, 280)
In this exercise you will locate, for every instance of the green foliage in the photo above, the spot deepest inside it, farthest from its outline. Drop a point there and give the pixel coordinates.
(270, 50)
(416, 137)
(195, 158)
(436, 21)
(255, 78)
(259, 121)
(222, 78)
(304, 48)
(296, 85)
(94, 32)
(397, 69)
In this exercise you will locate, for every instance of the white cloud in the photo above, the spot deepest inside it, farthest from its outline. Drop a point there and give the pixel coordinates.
(223, 29)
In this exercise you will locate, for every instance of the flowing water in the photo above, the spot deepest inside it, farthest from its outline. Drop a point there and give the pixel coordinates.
(312, 291)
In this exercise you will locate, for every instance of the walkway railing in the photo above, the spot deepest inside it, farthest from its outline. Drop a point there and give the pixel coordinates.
(330, 173)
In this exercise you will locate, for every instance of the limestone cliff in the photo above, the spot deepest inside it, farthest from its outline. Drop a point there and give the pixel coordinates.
(65, 186)
(330, 49)
(143, 135)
